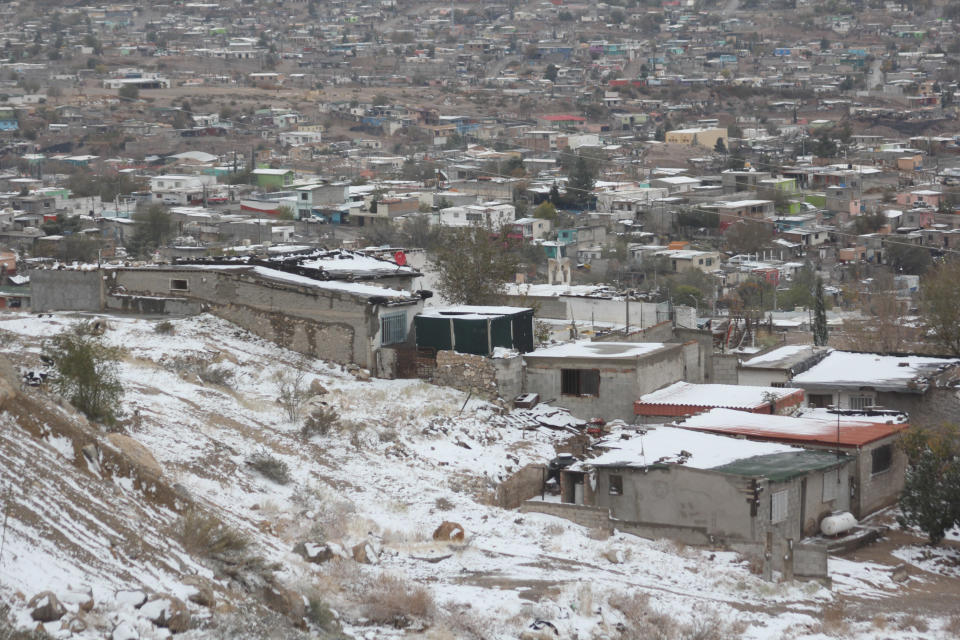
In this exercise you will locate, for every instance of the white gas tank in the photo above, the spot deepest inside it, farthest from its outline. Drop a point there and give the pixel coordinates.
(837, 523)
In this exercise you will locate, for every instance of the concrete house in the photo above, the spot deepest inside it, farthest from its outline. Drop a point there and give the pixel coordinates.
(345, 322)
(877, 474)
(601, 379)
(856, 381)
(702, 488)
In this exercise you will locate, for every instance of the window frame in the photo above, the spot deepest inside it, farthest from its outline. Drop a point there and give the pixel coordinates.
(831, 479)
(389, 334)
(779, 506)
(174, 281)
(888, 455)
(570, 386)
(615, 484)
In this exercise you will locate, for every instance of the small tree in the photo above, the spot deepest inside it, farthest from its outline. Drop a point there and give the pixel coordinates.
(129, 92)
(720, 147)
(87, 371)
(819, 317)
(550, 73)
(580, 182)
(473, 265)
(940, 306)
(931, 492)
(154, 227)
(545, 210)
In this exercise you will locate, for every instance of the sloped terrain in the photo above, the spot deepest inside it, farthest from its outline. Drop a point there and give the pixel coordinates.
(398, 459)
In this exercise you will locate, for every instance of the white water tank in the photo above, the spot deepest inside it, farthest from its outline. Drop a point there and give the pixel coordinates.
(837, 523)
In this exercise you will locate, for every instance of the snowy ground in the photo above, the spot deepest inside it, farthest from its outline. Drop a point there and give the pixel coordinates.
(407, 456)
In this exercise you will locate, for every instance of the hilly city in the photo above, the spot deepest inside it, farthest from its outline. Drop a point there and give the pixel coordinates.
(626, 320)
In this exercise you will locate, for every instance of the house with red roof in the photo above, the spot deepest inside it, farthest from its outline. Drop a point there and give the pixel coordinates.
(877, 477)
(682, 399)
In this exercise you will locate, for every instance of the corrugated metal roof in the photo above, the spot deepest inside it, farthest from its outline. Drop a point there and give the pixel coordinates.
(780, 467)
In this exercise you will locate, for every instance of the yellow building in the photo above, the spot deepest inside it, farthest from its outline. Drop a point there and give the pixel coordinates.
(701, 136)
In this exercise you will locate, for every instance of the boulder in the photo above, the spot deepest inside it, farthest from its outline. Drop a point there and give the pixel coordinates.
(46, 607)
(125, 630)
(449, 532)
(614, 555)
(315, 553)
(130, 598)
(76, 624)
(366, 553)
(137, 455)
(316, 388)
(203, 594)
(82, 598)
(167, 611)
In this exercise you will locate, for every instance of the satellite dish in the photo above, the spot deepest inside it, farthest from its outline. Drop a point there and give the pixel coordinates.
(400, 258)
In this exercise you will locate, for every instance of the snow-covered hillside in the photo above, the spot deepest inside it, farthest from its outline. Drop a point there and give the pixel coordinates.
(403, 457)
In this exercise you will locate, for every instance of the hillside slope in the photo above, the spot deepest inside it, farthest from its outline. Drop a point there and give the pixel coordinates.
(402, 457)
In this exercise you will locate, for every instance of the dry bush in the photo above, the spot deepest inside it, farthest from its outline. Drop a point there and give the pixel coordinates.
(554, 529)
(585, 599)
(443, 504)
(270, 467)
(207, 536)
(220, 376)
(833, 617)
(633, 606)
(164, 328)
(953, 627)
(912, 621)
(320, 422)
(391, 600)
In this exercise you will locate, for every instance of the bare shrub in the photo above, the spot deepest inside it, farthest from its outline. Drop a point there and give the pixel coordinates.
(270, 467)
(164, 328)
(221, 375)
(952, 626)
(319, 614)
(633, 606)
(320, 422)
(391, 600)
(443, 504)
(292, 391)
(833, 617)
(205, 535)
(912, 621)
(554, 529)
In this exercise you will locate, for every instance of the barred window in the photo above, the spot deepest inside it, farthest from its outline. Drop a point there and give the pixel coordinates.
(859, 403)
(778, 507)
(393, 328)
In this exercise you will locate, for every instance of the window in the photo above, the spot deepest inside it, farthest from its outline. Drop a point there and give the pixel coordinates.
(393, 328)
(580, 382)
(709, 262)
(179, 285)
(882, 459)
(831, 485)
(778, 507)
(820, 400)
(859, 403)
(303, 196)
(616, 485)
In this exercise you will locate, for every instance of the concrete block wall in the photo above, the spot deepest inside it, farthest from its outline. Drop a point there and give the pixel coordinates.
(523, 485)
(724, 369)
(149, 305)
(66, 290)
(590, 517)
(466, 372)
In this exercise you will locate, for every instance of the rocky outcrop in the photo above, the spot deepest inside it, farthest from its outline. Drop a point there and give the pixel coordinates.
(167, 611)
(137, 455)
(46, 607)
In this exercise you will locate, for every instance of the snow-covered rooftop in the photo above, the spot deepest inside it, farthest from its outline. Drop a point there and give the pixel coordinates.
(821, 428)
(783, 357)
(884, 373)
(716, 395)
(667, 444)
(605, 350)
